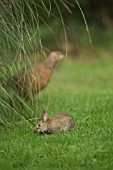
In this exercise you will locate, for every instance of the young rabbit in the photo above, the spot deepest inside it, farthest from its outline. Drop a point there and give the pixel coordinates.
(57, 123)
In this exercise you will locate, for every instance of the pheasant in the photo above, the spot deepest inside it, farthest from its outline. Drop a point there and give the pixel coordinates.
(35, 78)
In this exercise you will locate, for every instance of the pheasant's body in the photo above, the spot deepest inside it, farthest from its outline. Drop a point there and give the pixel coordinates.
(33, 79)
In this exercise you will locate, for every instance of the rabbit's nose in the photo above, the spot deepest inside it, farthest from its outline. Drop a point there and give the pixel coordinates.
(35, 128)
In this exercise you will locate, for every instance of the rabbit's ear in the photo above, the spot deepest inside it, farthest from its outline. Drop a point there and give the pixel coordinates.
(44, 116)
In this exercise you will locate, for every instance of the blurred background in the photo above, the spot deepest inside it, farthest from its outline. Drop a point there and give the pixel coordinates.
(36, 25)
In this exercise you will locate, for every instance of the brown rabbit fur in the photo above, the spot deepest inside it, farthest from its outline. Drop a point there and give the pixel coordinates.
(56, 123)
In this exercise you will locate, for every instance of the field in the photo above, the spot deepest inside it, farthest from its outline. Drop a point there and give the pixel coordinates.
(84, 89)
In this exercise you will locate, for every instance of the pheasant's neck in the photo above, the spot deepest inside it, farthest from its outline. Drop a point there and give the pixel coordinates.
(50, 63)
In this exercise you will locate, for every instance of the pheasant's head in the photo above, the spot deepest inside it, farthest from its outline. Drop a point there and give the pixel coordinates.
(55, 56)
(52, 59)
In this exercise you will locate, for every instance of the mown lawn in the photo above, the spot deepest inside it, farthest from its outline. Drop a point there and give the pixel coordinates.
(84, 89)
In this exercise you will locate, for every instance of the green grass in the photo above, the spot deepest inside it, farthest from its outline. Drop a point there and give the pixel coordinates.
(84, 89)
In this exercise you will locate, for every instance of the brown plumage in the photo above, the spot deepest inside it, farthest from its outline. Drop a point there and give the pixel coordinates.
(34, 78)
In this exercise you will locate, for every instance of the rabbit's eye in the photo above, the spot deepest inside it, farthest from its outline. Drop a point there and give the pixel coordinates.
(39, 125)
